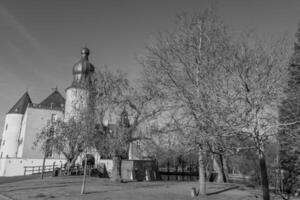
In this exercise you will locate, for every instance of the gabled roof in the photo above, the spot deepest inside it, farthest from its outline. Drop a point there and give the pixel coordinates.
(21, 105)
(54, 100)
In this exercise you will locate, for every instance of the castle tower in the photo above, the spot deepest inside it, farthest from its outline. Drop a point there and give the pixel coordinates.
(12, 127)
(78, 95)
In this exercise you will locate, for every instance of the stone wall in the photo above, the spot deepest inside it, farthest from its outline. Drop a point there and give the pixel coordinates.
(138, 170)
(15, 166)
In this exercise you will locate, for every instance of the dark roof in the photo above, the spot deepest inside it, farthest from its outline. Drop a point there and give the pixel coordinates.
(21, 105)
(54, 100)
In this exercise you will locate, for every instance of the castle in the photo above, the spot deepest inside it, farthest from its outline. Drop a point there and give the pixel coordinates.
(26, 119)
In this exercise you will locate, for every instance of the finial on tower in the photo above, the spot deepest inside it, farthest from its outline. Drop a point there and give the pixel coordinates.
(85, 52)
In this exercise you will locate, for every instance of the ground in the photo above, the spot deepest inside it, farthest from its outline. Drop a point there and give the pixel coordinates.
(69, 188)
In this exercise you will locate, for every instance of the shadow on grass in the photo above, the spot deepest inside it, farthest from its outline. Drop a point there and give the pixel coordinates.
(224, 190)
(41, 195)
(5, 180)
(34, 188)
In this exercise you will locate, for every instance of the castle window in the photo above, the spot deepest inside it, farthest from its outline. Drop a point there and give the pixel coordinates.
(51, 105)
(6, 126)
(53, 117)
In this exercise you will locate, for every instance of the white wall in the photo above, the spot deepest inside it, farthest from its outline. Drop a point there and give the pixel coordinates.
(11, 133)
(15, 166)
(35, 120)
(108, 164)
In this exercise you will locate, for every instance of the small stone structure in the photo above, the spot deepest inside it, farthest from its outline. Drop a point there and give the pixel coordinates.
(135, 170)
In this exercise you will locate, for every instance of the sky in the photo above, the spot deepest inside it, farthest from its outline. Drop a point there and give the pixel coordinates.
(40, 40)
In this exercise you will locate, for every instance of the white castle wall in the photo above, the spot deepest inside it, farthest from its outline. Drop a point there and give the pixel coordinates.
(15, 166)
(76, 102)
(35, 120)
(11, 133)
(108, 164)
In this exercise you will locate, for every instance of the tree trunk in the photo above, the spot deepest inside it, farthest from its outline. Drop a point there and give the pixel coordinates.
(218, 169)
(225, 167)
(116, 171)
(69, 165)
(202, 182)
(43, 167)
(84, 176)
(264, 176)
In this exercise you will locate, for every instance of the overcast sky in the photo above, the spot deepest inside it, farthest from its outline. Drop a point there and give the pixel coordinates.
(41, 39)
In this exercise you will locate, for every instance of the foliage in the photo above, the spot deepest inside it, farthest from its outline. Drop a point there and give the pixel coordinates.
(289, 137)
(68, 138)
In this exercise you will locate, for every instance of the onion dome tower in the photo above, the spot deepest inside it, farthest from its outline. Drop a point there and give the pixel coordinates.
(12, 127)
(78, 95)
(83, 70)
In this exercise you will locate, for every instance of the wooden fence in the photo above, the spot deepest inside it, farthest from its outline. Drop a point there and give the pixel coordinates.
(55, 170)
(38, 169)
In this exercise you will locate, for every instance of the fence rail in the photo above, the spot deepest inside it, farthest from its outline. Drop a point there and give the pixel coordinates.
(38, 169)
(55, 170)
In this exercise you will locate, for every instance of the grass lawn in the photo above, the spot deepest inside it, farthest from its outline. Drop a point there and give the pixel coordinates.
(96, 188)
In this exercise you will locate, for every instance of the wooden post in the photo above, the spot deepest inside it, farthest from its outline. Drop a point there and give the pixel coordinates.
(53, 169)
(32, 170)
(84, 176)
(191, 170)
(176, 170)
(43, 167)
(61, 168)
(25, 168)
(168, 169)
(182, 171)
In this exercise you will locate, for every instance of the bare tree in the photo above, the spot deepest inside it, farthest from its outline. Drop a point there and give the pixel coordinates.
(259, 76)
(45, 143)
(186, 67)
(130, 107)
(67, 138)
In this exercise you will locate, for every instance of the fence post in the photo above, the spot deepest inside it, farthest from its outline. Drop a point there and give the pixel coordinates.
(176, 171)
(191, 170)
(168, 169)
(53, 169)
(32, 170)
(61, 169)
(182, 171)
(25, 171)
